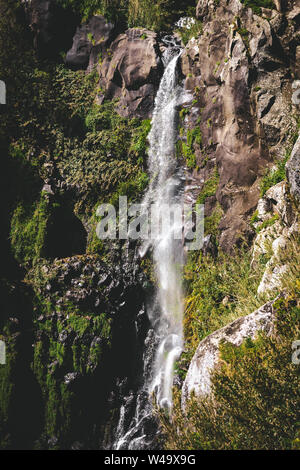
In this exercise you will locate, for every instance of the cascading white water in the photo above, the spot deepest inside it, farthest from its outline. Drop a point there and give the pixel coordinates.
(164, 191)
(166, 313)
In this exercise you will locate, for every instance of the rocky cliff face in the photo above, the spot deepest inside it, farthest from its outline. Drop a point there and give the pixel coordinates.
(85, 306)
(242, 67)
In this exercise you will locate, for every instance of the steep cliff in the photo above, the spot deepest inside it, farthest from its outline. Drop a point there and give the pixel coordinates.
(81, 79)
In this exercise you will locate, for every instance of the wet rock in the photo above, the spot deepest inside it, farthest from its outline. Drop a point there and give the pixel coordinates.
(206, 357)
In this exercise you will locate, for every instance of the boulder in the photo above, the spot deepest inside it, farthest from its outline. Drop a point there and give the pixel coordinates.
(293, 171)
(236, 71)
(206, 357)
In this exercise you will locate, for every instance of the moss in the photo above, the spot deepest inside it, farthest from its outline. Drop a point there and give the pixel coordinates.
(53, 359)
(209, 188)
(256, 394)
(28, 230)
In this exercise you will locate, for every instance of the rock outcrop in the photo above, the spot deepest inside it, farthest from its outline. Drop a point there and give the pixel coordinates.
(293, 171)
(129, 67)
(90, 42)
(236, 71)
(198, 378)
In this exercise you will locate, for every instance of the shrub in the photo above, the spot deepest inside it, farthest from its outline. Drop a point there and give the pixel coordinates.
(255, 399)
(257, 5)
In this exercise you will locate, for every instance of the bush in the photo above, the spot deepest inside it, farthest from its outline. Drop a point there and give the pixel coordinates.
(256, 395)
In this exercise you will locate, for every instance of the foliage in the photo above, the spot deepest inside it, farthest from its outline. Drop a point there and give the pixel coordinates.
(218, 291)
(193, 31)
(255, 402)
(135, 13)
(275, 175)
(158, 15)
(113, 10)
(209, 188)
(211, 222)
(257, 5)
(28, 230)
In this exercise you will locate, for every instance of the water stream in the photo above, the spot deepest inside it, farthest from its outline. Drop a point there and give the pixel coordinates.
(164, 343)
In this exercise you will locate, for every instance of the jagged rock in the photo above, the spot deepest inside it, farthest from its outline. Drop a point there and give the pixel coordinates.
(237, 67)
(206, 357)
(293, 171)
(275, 211)
(132, 72)
(90, 42)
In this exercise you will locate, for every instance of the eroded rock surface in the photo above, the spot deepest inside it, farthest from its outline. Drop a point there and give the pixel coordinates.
(237, 71)
(131, 72)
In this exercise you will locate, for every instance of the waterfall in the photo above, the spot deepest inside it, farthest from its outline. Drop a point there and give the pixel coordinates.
(164, 343)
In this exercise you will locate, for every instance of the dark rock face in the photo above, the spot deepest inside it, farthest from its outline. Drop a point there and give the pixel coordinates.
(53, 27)
(293, 171)
(237, 71)
(99, 343)
(131, 72)
(89, 43)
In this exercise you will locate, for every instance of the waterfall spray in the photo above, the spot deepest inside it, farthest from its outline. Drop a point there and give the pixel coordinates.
(166, 312)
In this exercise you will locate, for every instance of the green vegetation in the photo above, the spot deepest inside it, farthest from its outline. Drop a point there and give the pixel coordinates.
(257, 5)
(28, 230)
(209, 188)
(80, 356)
(267, 223)
(219, 290)
(157, 15)
(274, 175)
(193, 31)
(211, 222)
(256, 394)
(256, 398)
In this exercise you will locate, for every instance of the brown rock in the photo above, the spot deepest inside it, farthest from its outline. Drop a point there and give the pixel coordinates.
(89, 43)
(131, 72)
